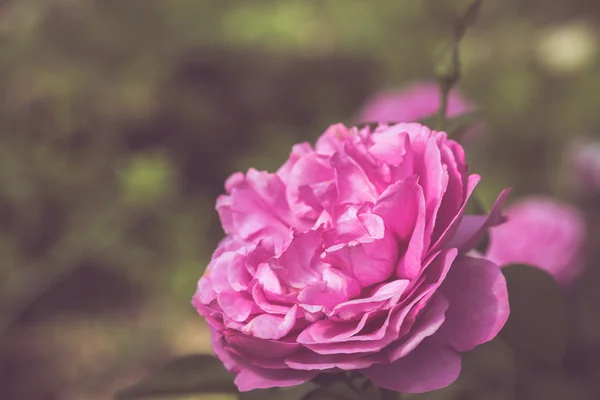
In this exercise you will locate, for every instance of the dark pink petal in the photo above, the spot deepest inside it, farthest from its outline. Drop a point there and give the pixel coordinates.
(229, 361)
(329, 331)
(426, 325)
(260, 347)
(448, 232)
(429, 367)
(472, 228)
(388, 293)
(353, 185)
(309, 361)
(266, 304)
(262, 378)
(433, 177)
(398, 205)
(456, 191)
(419, 292)
(410, 264)
(478, 298)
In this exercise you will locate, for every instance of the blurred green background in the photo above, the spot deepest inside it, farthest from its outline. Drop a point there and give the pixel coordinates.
(121, 119)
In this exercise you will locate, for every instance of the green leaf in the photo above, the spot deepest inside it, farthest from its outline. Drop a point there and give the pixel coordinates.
(188, 375)
(538, 322)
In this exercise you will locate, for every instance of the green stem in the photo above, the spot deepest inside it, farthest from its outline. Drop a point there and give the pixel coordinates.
(442, 116)
(350, 384)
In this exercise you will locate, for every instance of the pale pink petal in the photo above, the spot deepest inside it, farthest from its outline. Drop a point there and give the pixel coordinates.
(272, 327)
(410, 104)
(236, 306)
(542, 232)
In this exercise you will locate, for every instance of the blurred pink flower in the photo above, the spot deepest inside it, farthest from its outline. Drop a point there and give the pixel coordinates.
(541, 232)
(352, 256)
(410, 104)
(585, 161)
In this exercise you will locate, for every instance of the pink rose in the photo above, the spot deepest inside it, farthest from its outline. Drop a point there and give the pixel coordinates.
(541, 232)
(410, 104)
(585, 159)
(352, 257)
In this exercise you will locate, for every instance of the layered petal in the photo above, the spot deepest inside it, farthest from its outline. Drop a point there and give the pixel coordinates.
(351, 257)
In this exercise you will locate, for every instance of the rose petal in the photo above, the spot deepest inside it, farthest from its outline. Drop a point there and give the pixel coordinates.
(262, 378)
(236, 306)
(426, 325)
(272, 327)
(472, 228)
(353, 185)
(429, 367)
(476, 290)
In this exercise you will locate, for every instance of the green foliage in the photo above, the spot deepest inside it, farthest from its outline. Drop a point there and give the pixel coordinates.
(188, 375)
(120, 120)
(538, 324)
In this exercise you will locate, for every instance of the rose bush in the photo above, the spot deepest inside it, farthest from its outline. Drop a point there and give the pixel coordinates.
(544, 233)
(352, 256)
